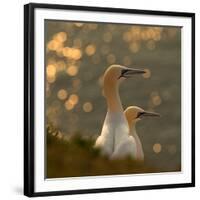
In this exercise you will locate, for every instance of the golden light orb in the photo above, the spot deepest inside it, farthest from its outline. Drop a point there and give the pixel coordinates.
(53, 45)
(51, 79)
(62, 94)
(87, 106)
(73, 99)
(134, 47)
(76, 54)
(100, 81)
(156, 100)
(69, 105)
(157, 148)
(51, 70)
(60, 37)
(90, 49)
(72, 70)
(136, 33)
(78, 24)
(72, 53)
(147, 74)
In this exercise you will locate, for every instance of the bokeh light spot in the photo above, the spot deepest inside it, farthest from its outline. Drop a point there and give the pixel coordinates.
(54, 45)
(157, 148)
(100, 81)
(69, 105)
(76, 54)
(156, 100)
(60, 37)
(62, 94)
(78, 24)
(72, 70)
(147, 74)
(90, 49)
(73, 99)
(136, 33)
(72, 53)
(51, 79)
(51, 70)
(134, 47)
(87, 106)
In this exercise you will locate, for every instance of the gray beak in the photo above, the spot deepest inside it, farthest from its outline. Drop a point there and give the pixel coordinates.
(149, 114)
(129, 72)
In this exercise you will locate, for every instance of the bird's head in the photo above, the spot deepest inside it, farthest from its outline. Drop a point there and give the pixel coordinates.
(135, 113)
(117, 73)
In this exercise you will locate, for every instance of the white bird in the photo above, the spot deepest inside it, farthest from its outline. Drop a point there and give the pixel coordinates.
(115, 127)
(132, 145)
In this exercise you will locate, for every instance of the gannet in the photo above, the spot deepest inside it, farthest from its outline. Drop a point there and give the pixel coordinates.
(132, 146)
(115, 127)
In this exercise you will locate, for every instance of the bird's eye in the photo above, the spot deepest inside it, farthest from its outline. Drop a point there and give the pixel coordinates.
(139, 114)
(123, 72)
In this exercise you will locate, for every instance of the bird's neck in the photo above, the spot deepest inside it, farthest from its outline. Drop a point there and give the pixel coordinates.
(111, 92)
(132, 131)
(132, 127)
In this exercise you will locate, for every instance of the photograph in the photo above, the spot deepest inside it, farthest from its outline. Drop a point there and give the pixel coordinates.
(108, 99)
(113, 98)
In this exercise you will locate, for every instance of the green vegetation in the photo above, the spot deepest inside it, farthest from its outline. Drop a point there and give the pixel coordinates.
(77, 157)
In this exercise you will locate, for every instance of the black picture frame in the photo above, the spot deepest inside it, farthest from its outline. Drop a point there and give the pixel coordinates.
(29, 79)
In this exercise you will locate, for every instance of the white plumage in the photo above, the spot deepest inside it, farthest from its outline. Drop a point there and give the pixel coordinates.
(115, 130)
(127, 147)
(131, 145)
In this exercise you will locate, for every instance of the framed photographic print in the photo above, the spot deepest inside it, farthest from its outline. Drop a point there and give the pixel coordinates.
(108, 99)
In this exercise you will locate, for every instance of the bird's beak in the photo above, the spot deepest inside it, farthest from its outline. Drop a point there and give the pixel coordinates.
(149, 114)
(129, 72)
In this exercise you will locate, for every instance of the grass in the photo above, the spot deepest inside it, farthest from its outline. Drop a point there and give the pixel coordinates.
(77, 157)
